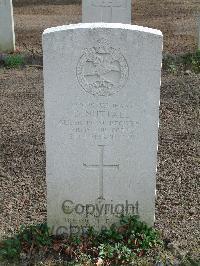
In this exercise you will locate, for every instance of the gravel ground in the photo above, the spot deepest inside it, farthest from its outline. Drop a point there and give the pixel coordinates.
(178, 190)
(175, 18)
(22, 157)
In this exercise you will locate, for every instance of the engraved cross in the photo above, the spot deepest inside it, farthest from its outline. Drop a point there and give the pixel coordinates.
(101, 167)
(105, 4)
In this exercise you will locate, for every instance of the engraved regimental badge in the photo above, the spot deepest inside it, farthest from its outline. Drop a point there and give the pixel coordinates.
(102, 70)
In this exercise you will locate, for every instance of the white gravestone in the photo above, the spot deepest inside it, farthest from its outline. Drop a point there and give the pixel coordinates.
(102, 88)
(110, 11)
(198, 28)
(7, 36)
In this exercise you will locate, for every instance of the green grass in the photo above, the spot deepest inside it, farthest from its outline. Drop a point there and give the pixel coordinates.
(34, 236)
(14, 61)
(130, 242)
(188, 61)
(121, 244)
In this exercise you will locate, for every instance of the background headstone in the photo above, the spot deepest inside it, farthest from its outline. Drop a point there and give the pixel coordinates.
(198, 29)
(102, 88)
(7, 35)
(111, 11)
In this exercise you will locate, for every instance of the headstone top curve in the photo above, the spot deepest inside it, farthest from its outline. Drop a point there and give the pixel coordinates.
(103, 25)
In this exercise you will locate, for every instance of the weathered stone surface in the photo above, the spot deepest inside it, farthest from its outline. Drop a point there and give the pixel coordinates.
(7, 35)
(102, 88)
(198, 28)
(110, 11)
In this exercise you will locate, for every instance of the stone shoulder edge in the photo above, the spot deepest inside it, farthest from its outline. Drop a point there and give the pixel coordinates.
(102, 25)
